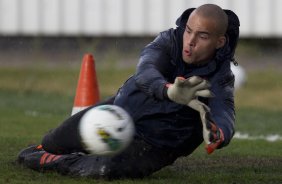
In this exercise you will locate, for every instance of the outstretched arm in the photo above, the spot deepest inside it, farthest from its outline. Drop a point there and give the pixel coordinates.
(218, 119)
(155, 66)
(222, 106)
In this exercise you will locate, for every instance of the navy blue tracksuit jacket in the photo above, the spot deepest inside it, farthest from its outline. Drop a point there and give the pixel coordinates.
(162, 122)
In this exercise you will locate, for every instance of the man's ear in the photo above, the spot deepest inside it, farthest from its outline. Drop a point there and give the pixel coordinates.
(221, 42)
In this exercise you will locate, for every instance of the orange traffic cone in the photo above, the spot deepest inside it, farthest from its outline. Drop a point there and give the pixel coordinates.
(87, 92)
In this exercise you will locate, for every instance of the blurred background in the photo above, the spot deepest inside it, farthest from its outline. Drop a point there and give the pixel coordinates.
(59, 31)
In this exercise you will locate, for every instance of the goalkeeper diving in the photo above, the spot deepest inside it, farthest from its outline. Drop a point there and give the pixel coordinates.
(181, 95)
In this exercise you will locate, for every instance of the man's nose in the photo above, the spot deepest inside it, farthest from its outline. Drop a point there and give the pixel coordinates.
(191, 40)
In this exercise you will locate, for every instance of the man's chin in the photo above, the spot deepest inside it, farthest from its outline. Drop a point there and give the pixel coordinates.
(188, 61)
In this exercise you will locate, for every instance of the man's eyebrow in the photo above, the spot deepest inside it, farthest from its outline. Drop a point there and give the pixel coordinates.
(187, 26)
(199, 32)
(204, 32)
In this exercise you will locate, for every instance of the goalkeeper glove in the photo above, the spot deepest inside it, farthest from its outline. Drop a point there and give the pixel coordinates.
(216, 137)
(182, 91)
(213, 135)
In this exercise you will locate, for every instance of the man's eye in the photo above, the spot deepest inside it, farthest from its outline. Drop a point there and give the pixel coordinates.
(203, 36)
(188, 31)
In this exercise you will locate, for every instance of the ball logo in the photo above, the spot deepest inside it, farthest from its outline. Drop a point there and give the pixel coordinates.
(114, 144)
(107, 108)
(106, 130)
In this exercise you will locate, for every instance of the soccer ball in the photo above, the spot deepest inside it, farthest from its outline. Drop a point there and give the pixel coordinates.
(106, 130)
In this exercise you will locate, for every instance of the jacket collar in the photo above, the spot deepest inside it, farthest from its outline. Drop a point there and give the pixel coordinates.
(204, 70)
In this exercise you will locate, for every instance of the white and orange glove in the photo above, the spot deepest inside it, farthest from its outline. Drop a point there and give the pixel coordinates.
(182, 91)
(212, 134)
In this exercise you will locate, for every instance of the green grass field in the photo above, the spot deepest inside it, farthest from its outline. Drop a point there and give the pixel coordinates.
(37, 98)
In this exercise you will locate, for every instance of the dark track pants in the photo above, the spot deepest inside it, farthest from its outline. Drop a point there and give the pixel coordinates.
(138, 160)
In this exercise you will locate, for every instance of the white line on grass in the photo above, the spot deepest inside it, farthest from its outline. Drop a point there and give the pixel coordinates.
(238, 135)
(270, 137)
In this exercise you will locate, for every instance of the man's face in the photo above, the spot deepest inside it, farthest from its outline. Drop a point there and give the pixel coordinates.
(200, 40)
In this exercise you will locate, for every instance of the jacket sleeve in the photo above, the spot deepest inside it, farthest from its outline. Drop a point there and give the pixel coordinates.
(222, 105)
(155, 66)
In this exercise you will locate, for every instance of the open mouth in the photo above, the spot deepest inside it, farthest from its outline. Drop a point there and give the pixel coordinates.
(188, 52)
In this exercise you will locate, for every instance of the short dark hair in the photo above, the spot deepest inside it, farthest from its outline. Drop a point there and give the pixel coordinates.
(216, 13)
